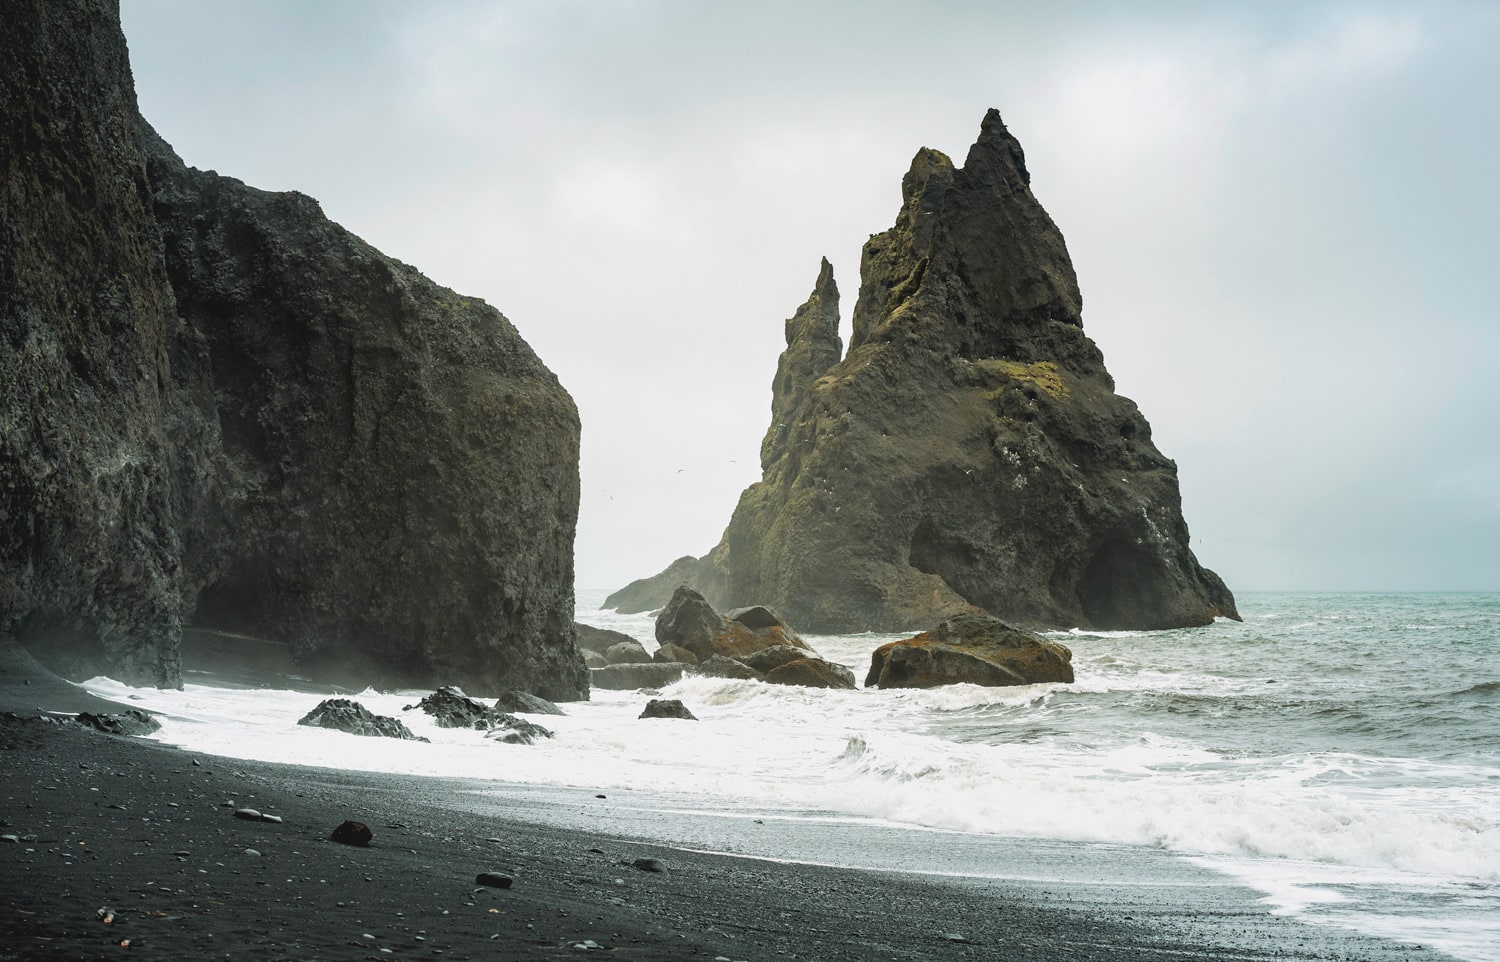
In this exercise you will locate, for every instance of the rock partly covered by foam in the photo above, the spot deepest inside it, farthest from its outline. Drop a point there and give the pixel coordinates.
(344, 715)
(975, 649)
(969, 453)
(217, 404)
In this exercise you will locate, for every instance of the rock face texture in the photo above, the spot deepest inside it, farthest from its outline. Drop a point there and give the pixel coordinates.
(976, 649)
(969, 453)
(218, 406)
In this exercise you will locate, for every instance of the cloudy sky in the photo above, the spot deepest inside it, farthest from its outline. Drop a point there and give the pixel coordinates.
(1284, 218)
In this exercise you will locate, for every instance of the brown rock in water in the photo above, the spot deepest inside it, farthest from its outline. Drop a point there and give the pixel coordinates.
(217, 404)
(968, 453)
(976, 649)
(811, 673)
(688, 621)
(674, 654)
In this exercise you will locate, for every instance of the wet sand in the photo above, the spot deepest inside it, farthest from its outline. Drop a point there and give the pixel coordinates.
(148, 834)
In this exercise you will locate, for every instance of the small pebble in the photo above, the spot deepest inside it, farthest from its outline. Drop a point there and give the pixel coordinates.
(493, 880)
(248, 814)
(253, 852)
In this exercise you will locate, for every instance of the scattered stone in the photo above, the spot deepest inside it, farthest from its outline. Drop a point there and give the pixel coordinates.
(11, 839)
(648, 865)
(352, 833)
(526, 703)
(275, 819)
(252, 852)
(667, 708)
(493, 880)
(248, 814)
(341, 714)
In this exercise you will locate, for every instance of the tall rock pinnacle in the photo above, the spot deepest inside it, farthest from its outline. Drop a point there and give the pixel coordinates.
(812, 347)
(969, 452)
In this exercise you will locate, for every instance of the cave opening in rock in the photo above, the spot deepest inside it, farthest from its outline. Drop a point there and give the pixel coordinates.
(1122, 588)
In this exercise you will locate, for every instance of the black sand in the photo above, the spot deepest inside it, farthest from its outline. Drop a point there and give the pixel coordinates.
(147, 834)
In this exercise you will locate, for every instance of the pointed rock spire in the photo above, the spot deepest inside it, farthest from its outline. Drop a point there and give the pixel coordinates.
(813, 346)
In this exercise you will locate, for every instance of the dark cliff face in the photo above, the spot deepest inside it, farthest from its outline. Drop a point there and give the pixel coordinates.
(970, 451)
(104, 441)
(220, 407)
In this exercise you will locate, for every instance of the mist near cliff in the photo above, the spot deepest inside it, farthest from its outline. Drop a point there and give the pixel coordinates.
(1282, 216)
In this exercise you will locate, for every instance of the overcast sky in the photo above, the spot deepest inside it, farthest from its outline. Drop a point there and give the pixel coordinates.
(1284, 219)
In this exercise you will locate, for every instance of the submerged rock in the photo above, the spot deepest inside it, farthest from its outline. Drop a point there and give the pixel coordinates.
(969, 453)
(344, 715)
(451, 708)
(516, 731)
(973, 649)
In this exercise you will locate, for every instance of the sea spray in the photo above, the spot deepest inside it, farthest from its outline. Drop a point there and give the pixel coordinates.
(1298, 752)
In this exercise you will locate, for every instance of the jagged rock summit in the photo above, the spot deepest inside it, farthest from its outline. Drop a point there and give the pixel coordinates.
(219, 407)
(969, 453)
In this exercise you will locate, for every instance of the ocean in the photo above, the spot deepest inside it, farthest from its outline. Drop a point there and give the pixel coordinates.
(1337, 753)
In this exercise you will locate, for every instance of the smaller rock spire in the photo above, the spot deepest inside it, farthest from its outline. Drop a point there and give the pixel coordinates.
(812, 347)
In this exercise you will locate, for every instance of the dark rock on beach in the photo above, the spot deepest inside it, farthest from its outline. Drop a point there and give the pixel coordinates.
(667, 708)
(968, 453)
(219, 407)
(976, 649)
(130, 722)
(344, 715)
(352, 833)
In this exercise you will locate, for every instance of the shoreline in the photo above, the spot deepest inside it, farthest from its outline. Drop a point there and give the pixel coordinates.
(143, 829)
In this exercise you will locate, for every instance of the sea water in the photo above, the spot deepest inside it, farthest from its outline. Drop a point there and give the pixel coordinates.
(1339, 753)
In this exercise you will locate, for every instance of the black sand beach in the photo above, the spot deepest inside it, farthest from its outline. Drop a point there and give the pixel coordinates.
(145, 835)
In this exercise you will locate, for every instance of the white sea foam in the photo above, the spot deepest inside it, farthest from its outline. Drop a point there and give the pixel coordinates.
(1264, 761)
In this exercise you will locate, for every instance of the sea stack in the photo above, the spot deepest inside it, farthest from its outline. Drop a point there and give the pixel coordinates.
(219, 408)
(969, 453)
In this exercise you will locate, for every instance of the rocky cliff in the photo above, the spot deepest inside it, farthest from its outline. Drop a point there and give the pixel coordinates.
(220, 408)
(969, 452)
